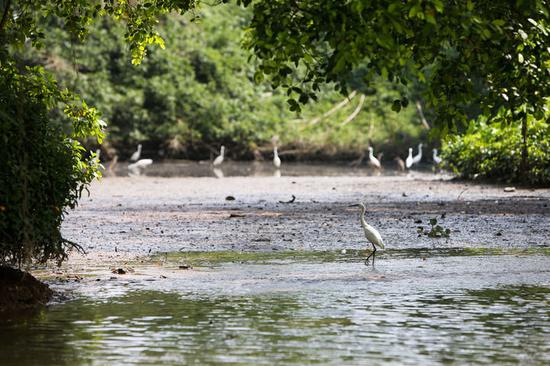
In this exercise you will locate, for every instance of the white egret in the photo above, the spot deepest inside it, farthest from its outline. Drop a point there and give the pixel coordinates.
(140, 164)
(372, 235)
(374, 161)
(219, 159)
(218, 173)
(437, 159)
(409, 160)
(418, 157)
(135, 156)
(137, 168)
(276, 158)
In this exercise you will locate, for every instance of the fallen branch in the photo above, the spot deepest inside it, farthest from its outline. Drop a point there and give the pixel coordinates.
(355, 112)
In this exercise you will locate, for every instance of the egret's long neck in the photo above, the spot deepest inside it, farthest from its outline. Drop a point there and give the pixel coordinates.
(370, 154)
(363, 221)
(275, 152)
(222, 150)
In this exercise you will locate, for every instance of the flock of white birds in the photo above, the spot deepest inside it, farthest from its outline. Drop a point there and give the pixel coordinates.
(137, 165)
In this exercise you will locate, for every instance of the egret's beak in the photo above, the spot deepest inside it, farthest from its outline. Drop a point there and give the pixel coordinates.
(354, 205)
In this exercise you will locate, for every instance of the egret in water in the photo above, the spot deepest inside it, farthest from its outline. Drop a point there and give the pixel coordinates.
(141, 163)
(372, 160)
(135, 156)
(372, 235)
(437, 160)
(418, 157)
(276, 158)
(409, 160)
(138, 167)
(219, 159)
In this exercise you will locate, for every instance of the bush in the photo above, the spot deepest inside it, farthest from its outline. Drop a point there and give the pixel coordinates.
(493, 151)
(43, 169)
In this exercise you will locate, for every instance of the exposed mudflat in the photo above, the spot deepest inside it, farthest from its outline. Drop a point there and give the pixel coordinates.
(127, 216)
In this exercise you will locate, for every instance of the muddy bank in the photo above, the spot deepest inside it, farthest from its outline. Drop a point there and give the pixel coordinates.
(21, 292)
(136, 216)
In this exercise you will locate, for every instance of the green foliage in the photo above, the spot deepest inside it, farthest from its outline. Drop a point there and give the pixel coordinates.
(436, 231)
(493, 54)
(493, 151)
(200, 92)
(43, 171)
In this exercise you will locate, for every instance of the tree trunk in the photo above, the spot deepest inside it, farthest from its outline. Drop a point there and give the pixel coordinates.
(524, 151)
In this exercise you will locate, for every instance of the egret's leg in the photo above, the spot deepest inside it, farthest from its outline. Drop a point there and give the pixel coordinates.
(371, 255)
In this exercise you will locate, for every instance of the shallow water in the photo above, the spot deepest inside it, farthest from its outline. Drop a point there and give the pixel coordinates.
(184, 168)
(434, 308)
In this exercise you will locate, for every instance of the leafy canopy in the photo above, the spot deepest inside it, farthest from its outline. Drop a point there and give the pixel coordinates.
(494, 54)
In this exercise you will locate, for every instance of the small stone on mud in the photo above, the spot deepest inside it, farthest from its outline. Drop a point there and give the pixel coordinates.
(119, 271)
(418, 221)
(498, 234)
(230, 198)
(509, 189)
(185, 266)
(404, 194)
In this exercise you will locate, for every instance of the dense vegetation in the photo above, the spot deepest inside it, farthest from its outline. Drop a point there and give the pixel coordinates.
(493, 151)
(199, 92)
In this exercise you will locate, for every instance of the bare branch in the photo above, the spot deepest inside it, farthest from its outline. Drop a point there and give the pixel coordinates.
(421, 113)
(334, 109)
(355, 112)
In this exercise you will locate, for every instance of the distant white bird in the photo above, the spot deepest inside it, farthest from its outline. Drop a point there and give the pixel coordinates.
(135, 156)
(218, 172)
(140, 164)
(372, 235)
(219, 159)
(276, 158)
(418, 157)
(437, 160)
(409, 160)
(374, 161)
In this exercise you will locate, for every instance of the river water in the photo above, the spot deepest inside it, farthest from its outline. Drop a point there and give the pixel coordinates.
(411, 308)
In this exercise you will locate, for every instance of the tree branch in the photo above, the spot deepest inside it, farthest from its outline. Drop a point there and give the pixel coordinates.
(421, 113)
(334, 109)
(355, 112)
(5, 15)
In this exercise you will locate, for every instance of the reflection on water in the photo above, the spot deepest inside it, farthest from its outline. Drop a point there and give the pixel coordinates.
(463, 310)
(491, 326)
(181, 168)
